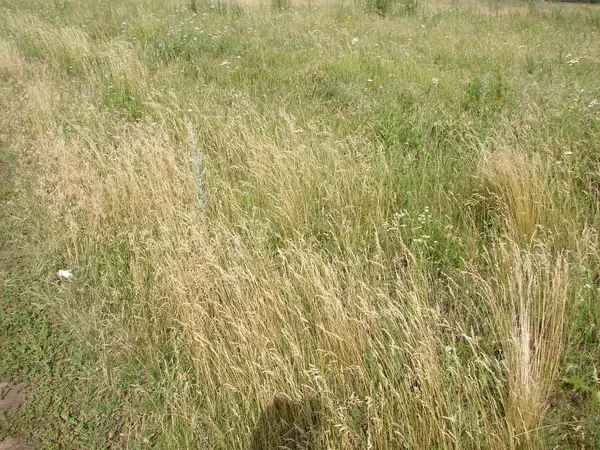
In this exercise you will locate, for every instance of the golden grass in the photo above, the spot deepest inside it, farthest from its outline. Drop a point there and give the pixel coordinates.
(256, 243)
(527, 294)
(521, 188)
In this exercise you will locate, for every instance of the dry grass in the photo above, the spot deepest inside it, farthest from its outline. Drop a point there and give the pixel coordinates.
(274, 238)
(527, 295)
(521, 189)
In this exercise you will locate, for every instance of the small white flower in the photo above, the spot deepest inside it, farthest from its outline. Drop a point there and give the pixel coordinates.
(593, 104)
(435, 80)
(225, 63)
(189, 110)
(572, 62)
(567, 153)
(64, 273)
(370, 80)
(355, 41)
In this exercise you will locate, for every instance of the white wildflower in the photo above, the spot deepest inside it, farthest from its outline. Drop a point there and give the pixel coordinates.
(355, 41)
(567, 153)
(435, 81)
(64, 273)
(593, 103)
(225, 63)
(572, 62)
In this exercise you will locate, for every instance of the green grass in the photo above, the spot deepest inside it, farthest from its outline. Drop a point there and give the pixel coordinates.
(376, 220)
(67, 403)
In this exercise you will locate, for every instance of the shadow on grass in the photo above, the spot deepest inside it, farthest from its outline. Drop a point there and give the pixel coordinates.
(287, 424)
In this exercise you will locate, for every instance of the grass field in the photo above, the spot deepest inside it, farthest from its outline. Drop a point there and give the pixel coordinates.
(310, 225)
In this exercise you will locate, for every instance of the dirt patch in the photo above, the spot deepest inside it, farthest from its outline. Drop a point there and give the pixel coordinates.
(11, 401)
(14, 444)
(10, 398)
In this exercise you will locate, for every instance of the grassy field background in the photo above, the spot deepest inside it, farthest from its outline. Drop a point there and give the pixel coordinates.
(338, 225)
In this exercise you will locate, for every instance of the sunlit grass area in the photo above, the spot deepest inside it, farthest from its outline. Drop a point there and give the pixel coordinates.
(337, 225)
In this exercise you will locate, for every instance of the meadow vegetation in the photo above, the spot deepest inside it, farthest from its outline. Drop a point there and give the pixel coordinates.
(346, 225)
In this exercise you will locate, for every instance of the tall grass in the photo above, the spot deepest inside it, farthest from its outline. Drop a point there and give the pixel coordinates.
(285, 236)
